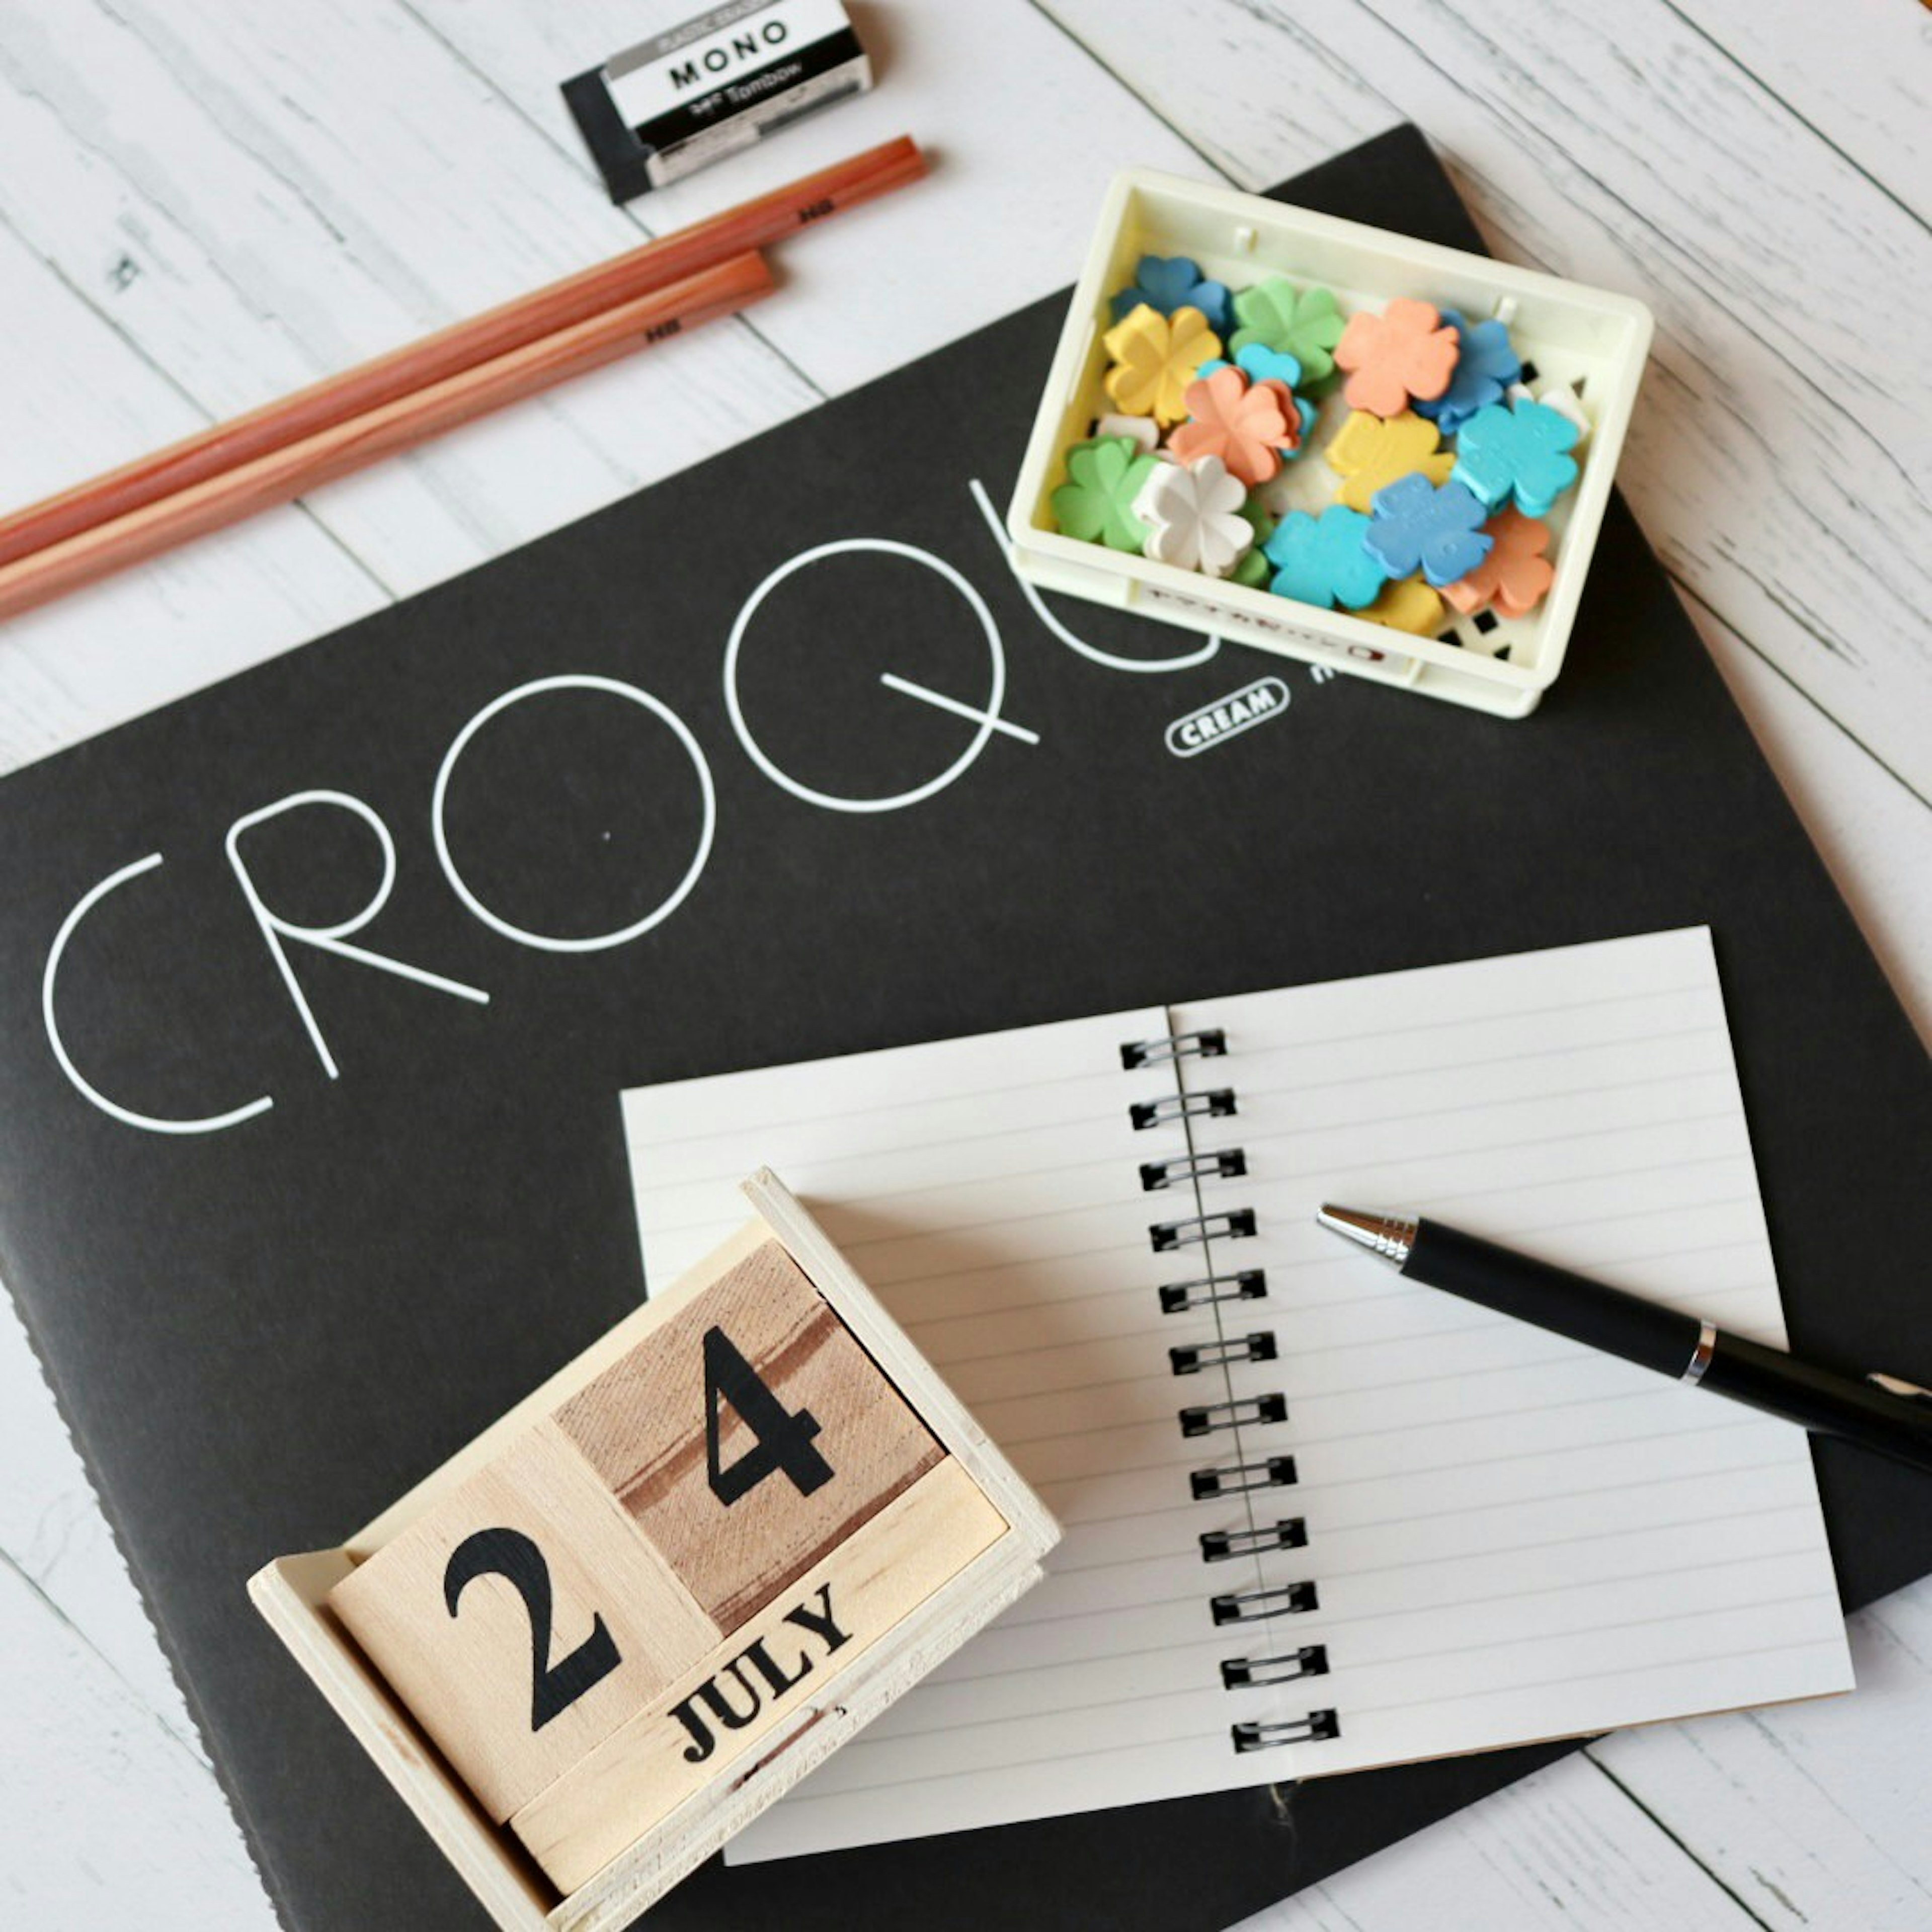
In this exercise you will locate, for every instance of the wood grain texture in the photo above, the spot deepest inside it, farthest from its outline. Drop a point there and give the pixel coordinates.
(540, 1405)
(1563, 1848)
(171, 1840)
(222, 225)
(1867, 92)
(641, 1426)
(200, 210)
(467, 1674)
(914, 1581)
(1024, 132)
(910, 1371)
(291, 1595)
(866, 1586)
(1812, 1814)
(191, 617)
(160, 520)
(403, 373)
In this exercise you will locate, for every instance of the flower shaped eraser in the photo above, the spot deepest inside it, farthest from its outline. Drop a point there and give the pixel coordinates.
(1167, 283)
(1254, 570)
(1245, 424)
(1261, 364)
(1096, 503)
(1193, 515)
(1142, 431)
(1565, 401)
(1324, 559)
(1371, 451)
(1156, 357)
(1403, 352)
(1485, 366)
(1515, 573)
(1519, 452)
(1305, 324)
(1408, 604)
(1280, 371)
(1417, 526)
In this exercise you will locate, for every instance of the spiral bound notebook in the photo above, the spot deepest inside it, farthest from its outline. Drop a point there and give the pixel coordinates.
(1317, 1518)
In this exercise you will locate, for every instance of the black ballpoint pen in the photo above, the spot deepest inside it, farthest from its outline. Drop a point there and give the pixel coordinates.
(1879, 1412)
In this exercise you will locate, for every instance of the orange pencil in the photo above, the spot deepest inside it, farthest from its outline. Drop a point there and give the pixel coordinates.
(374, 385)
(287, 471)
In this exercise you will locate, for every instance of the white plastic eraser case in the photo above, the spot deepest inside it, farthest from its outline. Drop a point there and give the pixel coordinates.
(1591, 341)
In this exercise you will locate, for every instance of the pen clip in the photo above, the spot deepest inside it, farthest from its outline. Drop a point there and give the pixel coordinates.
(1905, 1391)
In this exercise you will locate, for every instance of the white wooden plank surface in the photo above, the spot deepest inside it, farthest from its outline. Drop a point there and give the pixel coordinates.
(109, 1809)
(1564, 1847)
(68, 670)
(1813, 1815)
(1868, 92)
(245, 227)
(1025, 132)
(202, 207)
(81, 1853)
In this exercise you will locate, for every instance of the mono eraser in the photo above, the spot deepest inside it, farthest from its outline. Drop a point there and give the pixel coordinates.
(720, 82)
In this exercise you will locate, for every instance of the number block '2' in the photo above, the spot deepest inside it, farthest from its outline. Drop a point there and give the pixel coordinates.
(646, 1600)
(524, 1618)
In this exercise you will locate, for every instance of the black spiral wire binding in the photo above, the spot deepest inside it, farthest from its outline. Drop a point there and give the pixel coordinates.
(1248, 1607)
(1239, 1673)
(1244, 1285)
(1210, 1290)
(1209, 1044)
(1217, 1104)
(1224, 1164)
(1230, 1479)
(1294, 1731)
(1191, 1359)
(1287, 1532)
(1232, 1224)
(1204, 1418)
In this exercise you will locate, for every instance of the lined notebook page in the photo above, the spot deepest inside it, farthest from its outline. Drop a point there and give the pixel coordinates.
(1507, 1538)
(1515, 1537)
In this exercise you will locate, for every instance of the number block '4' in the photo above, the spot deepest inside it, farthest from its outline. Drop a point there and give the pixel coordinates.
(750, 1434)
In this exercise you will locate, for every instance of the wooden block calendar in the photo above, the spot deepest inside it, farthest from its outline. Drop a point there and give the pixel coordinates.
(640, 1606)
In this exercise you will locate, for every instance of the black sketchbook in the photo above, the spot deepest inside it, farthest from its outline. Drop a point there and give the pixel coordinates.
(262, 1332)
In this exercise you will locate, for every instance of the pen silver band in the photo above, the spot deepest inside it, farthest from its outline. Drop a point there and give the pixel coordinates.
(1700, 1356)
